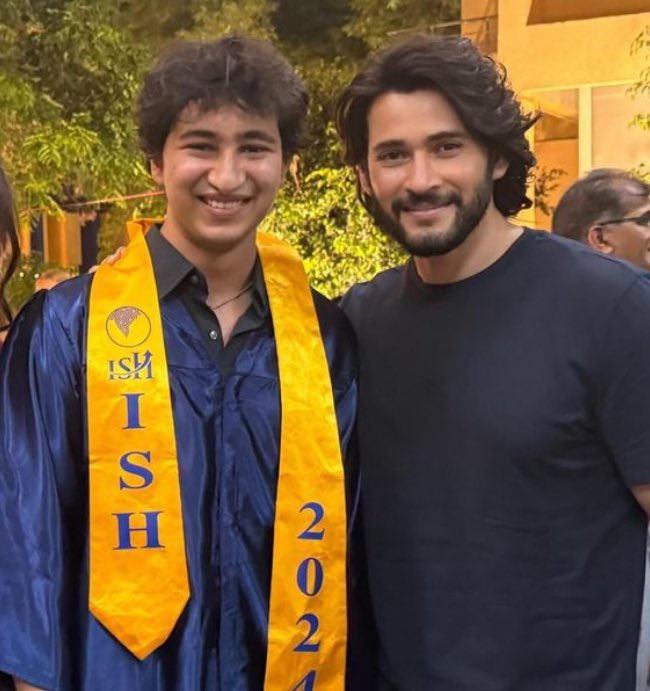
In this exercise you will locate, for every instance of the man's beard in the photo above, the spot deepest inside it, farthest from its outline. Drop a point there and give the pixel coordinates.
(434, 243)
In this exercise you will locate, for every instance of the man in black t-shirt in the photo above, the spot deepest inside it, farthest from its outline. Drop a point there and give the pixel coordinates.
(505, 389)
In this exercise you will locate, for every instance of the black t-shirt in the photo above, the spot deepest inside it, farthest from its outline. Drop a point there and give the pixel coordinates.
(502, 420)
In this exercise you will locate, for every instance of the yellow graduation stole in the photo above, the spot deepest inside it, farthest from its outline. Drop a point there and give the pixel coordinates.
(138, 571)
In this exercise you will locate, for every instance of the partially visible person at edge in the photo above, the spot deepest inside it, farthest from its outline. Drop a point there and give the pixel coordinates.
(149, 541)
(609, 210)
(504, 398)
(9, 251)
(50, 278)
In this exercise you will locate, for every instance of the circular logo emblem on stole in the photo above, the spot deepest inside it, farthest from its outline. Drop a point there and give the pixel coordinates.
(128, 327)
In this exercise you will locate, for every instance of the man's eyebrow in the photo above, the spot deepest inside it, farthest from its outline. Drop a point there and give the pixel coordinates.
(197, 134)
(447, 134)
(389, 144)
(248, 135)
(259, 135)
(431, 139)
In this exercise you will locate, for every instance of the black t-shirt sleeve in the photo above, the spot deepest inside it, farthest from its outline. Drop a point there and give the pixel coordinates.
(624, 383)
(357, 303)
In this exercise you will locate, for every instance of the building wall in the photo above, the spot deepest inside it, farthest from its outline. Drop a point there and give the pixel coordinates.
(577, 73)
(479, 21)
(560, 154)
(570, 53)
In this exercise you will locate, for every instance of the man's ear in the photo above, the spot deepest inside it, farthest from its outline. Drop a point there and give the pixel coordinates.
(597, 239)
(500, 168)
(364, 180)
(155, 168)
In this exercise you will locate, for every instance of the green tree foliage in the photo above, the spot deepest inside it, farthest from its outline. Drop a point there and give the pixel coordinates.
(373, 21)
(219, 17)
(545, 181)
(71, 72)
(323, 220)
(641, 88)
(21, 287)
(69, 75)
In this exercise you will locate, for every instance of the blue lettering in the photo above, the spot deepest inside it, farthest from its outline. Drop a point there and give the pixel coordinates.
(310, 577)
(141, 471)
(319, 513)
(133, 411)
(138, 366)
(143, 367)
(306, 683)
(307, 645)
(125, 364)
(124, 530)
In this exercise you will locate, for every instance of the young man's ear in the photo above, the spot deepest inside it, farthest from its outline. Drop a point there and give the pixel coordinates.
(596, 237)
(155, 168)
(291, 166)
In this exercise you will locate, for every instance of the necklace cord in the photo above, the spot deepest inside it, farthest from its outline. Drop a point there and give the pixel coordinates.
(232, 298)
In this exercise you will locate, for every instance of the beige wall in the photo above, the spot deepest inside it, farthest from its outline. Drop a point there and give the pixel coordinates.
(562, 154)
(566, 54)
(557, 66)
(480, 23)
(543, 11)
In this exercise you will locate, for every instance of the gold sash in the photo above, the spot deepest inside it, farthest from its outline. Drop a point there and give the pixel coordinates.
(138, 574)
(308, 611)
(138, 571)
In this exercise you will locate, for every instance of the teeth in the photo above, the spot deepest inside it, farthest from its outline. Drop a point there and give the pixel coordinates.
(214, 204)
(427, 208)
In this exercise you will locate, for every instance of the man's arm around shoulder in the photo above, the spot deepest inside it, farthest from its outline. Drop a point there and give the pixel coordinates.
(24, 686)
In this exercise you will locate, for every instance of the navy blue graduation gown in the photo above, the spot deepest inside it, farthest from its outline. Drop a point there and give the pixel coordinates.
(227, 433)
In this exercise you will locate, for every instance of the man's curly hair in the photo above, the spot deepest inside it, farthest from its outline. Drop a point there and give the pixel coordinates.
(474, 84)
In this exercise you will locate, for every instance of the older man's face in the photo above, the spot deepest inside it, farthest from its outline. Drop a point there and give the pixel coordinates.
(630, 240)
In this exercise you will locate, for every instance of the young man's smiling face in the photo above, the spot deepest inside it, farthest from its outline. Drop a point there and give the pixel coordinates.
(431, 181)
(221, 170)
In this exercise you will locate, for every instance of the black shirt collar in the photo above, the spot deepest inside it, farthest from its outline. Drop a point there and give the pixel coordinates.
(171, 269)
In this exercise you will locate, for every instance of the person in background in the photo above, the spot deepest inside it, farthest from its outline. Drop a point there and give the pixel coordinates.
(609, 210)
(50, 278)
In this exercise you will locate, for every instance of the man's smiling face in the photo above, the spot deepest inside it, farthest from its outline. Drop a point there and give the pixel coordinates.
(430, 182)
(221, 170)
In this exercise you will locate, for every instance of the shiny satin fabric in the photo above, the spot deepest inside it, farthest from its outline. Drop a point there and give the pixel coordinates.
(137, 594)
(308, 584)
(227, 438)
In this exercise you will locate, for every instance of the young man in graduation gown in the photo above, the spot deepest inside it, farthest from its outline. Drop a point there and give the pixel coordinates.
(504, 398)
(175, 508)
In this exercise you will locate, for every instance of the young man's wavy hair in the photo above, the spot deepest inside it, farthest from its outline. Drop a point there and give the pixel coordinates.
(235, 70)
(475, 86)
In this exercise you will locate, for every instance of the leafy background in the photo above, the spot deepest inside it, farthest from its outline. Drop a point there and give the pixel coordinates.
(69, 76)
